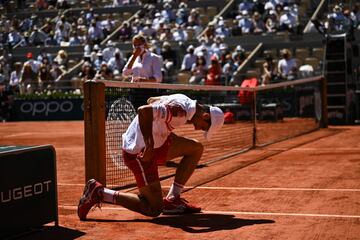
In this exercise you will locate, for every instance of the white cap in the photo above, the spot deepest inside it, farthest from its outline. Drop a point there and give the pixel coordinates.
(217, 120)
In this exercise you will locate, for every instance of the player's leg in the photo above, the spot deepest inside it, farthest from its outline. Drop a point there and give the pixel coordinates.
(149, 200)
(191, 151)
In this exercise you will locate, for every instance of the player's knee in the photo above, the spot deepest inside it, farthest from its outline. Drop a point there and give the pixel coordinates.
(198, 147)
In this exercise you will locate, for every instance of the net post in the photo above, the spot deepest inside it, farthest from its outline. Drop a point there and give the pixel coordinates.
(94, 127)
(324, 112)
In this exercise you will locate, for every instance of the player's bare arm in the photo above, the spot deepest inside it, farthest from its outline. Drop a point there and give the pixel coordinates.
(145, 114)
(153, 99)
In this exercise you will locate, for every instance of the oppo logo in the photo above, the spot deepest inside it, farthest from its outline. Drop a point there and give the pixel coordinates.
(42, 107)
(25, 191)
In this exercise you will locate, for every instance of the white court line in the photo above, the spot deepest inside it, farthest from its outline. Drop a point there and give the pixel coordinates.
(247, 188)
(241, 213)
(279, 189)
(315, 149)
(16, 135)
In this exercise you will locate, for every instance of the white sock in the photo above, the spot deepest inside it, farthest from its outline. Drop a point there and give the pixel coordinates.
(174, 191)
(109, 195)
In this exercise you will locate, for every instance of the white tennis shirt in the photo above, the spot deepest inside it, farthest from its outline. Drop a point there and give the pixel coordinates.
(169, 113)
(149, 66)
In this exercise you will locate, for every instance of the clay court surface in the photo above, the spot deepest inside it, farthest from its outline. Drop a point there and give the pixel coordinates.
(303, 188)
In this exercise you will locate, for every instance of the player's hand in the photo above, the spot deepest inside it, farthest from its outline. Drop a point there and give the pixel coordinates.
(137, 51)
(147, 154)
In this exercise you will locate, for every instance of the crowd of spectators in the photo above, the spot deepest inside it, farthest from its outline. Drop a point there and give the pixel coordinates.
(212, 61)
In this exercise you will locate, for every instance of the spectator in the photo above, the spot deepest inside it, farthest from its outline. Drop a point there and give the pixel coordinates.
(28, 80)
(270, 70)
(258, 23)
(194, 19)
(167, 35)
(198, 71)
(109, 51)
(246, 24)
(179, 34)
(214, 72)
(98, 61)
(203, 45)
(182, 14)
(15, 77)
(215, 47)
(45, 77)
(14, 37)
(57, 73)
(108, 25)
(271, 23)
(246, 5)
(157, 21)
(222, 30)
(51, 41)
(189, 59)
(37, 37)
(229, 68)
(62, 58)
(41, 5)
(118, 3)
(169, 59)
(62, 4)
(44, 55)
(210, 32)
(66, 25)
(104, 72)
(95, 33)
(61, 35)
(116, 63)
(224, 50)
(143, 65)
(34, 64)
(168, 14)
(74, 39)
(288, 21)
(148, 31)
(125, 32)
(87, 72)
(287, 67)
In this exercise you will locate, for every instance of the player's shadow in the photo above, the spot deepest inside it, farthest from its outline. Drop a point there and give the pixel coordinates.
(198, 223)
(202, 223)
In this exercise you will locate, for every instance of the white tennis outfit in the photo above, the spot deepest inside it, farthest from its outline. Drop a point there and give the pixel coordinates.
(163, 122)
(149, 66)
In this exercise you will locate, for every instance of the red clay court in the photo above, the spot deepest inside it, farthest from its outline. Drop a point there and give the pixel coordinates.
(303, 188)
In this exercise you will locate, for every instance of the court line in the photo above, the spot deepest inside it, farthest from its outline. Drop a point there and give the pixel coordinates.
(316, 149)
(16, 135)
(249, 188)
(68, 207)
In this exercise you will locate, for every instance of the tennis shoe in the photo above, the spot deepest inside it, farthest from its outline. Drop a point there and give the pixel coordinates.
(179, 206)
(90, 198)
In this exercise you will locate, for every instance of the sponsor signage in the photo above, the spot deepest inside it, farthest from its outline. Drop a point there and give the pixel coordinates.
(55, 109)
(28, 188)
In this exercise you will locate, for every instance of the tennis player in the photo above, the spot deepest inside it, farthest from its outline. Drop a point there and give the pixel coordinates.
(148, 142)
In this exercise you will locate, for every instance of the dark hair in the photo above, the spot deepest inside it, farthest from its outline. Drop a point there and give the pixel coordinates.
(206, 109)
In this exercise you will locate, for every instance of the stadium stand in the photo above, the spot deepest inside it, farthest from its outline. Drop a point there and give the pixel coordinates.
(233, 30)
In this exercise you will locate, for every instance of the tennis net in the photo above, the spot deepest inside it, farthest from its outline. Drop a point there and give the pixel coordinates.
(255, 116)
